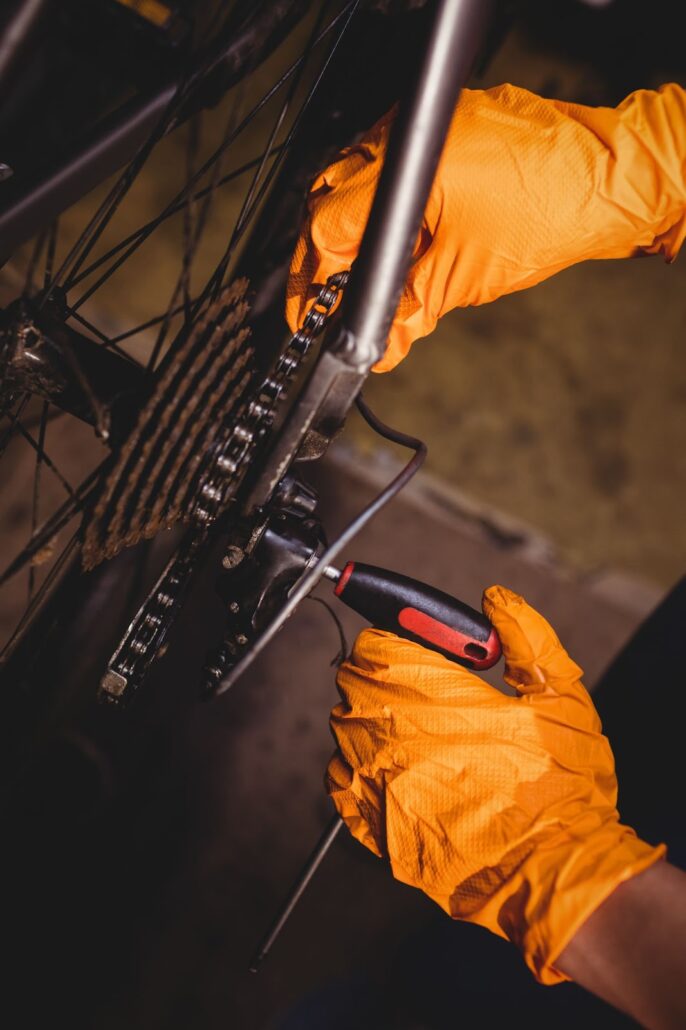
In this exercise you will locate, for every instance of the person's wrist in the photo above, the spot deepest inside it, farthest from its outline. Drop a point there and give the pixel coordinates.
(574, 872)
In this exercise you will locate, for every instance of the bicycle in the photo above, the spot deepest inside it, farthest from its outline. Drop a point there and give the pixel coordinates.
(207, 426)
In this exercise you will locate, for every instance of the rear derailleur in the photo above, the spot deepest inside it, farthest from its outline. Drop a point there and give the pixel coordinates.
(265, 555)
(264, 559)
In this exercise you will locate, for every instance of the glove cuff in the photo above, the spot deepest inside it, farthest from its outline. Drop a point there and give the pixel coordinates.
(571, 883)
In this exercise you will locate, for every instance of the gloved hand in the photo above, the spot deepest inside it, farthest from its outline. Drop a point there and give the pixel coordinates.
(525, 187)
(502, 809)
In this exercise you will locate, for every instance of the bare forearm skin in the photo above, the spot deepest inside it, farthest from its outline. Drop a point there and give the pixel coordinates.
(632, 951)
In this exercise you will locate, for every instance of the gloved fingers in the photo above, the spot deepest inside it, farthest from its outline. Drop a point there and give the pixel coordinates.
(333, 229)
(310, 268)
(339, 786)
(525, 188)
(536, 663)
(387, 670)
(338, 205)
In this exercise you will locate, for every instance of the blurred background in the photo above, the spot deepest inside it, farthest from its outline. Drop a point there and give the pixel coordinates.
(556, 426)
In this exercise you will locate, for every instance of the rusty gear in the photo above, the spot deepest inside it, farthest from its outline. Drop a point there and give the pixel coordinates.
(156, 474)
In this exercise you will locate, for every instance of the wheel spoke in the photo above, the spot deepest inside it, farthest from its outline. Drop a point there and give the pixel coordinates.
(249, 208)
(147, 325)
(80, 265)
(174, 210)
(12, 416)
(32, 421)
(105, 212)
(29, 283)
(283, 148)
(36, 600)
(189, 215)
(192, 240)
(36, 486)
(50, 256)
(105, 340)
(42, 452)
(52, 526)
(183, 195)
(191, 237)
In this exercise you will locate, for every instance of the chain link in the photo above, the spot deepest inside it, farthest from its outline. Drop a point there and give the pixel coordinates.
(150, 626)
(236, 450)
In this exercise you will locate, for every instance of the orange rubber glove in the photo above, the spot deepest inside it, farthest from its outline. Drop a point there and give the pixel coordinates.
(525, 187)
(500, 808)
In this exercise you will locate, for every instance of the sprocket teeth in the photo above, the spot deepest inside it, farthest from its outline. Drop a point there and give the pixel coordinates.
(201, 384)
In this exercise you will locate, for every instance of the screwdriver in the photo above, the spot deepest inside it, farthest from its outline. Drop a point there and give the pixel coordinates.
(416, 612)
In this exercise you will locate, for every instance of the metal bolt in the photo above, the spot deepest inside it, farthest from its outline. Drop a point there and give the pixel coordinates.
(233, 557)
(241, 639)
(234, 607)
(6, 172)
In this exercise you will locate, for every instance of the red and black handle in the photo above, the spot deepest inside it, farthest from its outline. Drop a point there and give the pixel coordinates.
(419, 612)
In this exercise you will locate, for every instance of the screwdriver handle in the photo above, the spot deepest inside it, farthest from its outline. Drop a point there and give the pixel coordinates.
(420, 613)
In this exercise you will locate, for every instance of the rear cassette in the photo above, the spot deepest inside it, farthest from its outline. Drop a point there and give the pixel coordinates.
(154, 480)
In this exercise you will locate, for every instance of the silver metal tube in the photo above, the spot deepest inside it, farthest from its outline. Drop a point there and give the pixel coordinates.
(297, 890)
(414, 149)
(16, 37)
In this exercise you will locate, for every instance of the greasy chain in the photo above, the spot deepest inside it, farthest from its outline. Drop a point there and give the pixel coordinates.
(245, 433)
(150, 626)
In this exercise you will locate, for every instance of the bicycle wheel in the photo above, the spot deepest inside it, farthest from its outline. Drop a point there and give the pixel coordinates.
(169, 406)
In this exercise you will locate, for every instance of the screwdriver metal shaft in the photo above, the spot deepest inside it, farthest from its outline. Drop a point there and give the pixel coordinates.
(299, 887)
(417, 612)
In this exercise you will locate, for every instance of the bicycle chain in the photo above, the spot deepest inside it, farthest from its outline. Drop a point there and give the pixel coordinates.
(233, 454)
(222, 469)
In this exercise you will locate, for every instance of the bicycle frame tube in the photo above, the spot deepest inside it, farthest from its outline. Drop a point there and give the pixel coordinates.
(16, 37)
(356, 343)
(414, 149)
